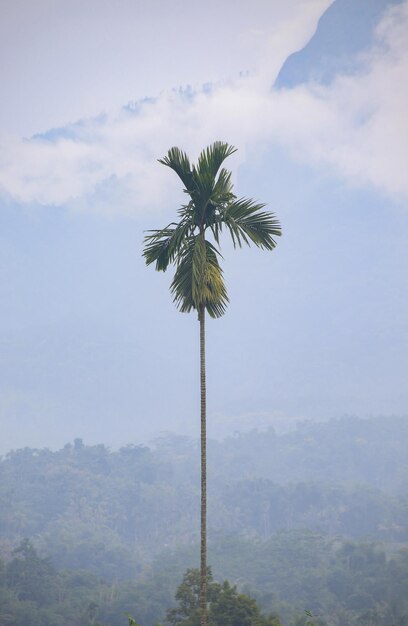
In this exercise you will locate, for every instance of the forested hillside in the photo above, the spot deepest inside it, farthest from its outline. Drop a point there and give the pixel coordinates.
(316, 518)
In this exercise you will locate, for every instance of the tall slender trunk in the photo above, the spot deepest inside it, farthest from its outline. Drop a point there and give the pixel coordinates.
(203, 562)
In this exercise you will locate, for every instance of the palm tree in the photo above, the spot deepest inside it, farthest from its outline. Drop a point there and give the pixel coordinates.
(198, 282)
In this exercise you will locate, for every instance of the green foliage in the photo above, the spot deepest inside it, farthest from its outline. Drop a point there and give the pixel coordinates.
(108, 512)
(354, 582)
(34, 593)
(198, 281)
(226, 606)
(31, 577)
(129, 518)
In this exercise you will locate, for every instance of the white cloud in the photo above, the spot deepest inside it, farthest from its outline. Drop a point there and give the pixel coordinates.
(67, 59)
(357, 126)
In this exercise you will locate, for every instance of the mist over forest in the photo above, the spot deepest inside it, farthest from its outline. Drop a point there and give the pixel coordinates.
(314, 519)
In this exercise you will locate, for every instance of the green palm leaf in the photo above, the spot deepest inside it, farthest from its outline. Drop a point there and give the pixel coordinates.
(162, 246)
(198, 281)
(222, 193)
(247, 222)
(178, 161)
(205, 176)
(212, 157)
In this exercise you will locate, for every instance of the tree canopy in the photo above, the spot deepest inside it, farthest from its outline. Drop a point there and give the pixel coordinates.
(212, 207)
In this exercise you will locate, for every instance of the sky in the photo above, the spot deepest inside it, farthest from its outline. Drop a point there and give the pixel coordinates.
(94, 94)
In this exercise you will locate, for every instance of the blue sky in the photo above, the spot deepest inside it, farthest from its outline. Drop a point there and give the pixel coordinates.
(92, 345)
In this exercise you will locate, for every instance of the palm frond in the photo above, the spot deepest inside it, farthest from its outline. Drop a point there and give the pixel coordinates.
(163, 246)
(222, 193)
(212, 157)
(205, 175)
(216, 297)
(178, 161)
(203, 186)
(247, 222)
(221, 197)
(198, 280)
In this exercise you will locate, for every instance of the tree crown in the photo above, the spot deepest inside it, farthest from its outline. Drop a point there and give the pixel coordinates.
(198, 282)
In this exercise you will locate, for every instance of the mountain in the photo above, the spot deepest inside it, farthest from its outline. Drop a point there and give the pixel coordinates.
(344, 31)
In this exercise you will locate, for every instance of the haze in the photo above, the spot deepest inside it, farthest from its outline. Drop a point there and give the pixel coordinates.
(91, 344)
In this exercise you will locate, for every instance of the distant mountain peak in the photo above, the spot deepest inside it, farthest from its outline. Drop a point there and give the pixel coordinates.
(344, 30)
